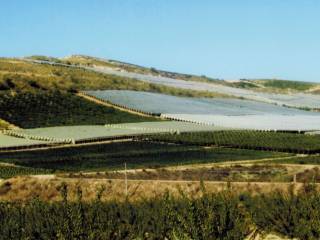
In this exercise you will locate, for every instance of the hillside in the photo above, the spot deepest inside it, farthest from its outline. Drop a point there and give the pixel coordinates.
(271, 85)
(23, 75)
(82, 60)
(277, 84)
(100, 130)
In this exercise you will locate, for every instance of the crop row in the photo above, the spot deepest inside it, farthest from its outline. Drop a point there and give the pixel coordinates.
(109, 101)
(13, 133)
(168, 130)
(11, 171)
(268, 141)
(48, 108)
(136, 154)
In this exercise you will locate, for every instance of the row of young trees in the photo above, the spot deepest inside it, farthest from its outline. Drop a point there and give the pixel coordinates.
(58, 108)
(221, 215)
(7, 171)
(247, 139)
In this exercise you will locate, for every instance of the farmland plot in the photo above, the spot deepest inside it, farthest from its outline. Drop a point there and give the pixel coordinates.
(161, 103)
(113, 130)
(230, 113)
(76, 134)
(12, 142)
(255, 122)
(293, 100)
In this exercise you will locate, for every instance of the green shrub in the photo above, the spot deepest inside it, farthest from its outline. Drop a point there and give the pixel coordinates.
(294, 216)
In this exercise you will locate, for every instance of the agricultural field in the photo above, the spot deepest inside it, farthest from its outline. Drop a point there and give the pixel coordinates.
(167, 104)
(201, 86)
(10, 141)
(150, 143)
(268, 122)
(195, 120)
(37, 137)
(56, 108)
(113, 130)
(136, 154)
(224, 112)
(266, 141)
(296, 99)
(165, 216)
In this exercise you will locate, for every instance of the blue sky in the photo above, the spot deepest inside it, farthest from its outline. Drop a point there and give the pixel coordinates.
(228, 39)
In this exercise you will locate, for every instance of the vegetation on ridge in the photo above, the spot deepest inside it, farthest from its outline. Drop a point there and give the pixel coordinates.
(20, 75)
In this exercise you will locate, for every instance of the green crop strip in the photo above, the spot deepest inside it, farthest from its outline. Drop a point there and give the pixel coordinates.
(136, 154)
(54, 108)
(268, 141)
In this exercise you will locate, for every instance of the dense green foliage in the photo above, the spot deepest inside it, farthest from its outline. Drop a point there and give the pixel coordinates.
(45, 58)
(291, 215)
(211, 217)
(272, 141)
(285, 84)
(46, 108)
(244, 84)
(11, 171)
(223, 215)
(135, 154)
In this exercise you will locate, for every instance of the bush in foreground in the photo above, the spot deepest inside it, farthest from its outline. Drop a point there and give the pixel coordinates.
(221, 215)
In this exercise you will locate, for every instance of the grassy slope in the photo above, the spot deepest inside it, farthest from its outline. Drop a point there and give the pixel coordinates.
(92, 61)
(135, 154)
(22, 75)
(44, 109)
(285, 85)
(272, 85)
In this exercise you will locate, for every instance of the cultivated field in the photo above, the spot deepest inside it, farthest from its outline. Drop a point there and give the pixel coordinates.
(299, 100)
(224, 112)
(153, 158)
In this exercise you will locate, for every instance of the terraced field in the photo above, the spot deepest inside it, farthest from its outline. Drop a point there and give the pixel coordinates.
(226, 112)
(92, 133)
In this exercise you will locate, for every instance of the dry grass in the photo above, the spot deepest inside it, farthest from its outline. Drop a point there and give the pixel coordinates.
(5, 125)
(23, 75)
(235, 172)
(47, 188)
